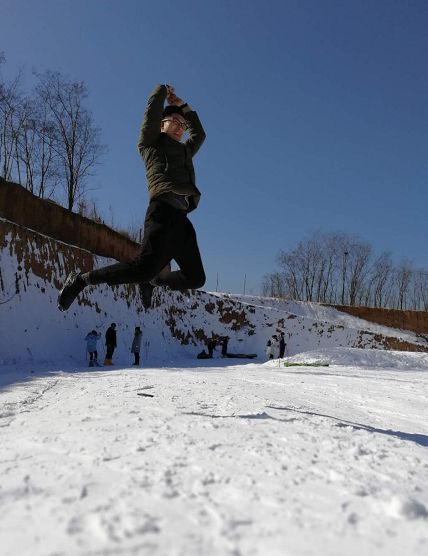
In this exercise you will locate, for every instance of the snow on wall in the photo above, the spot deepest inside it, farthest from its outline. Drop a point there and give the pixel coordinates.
(32, 329)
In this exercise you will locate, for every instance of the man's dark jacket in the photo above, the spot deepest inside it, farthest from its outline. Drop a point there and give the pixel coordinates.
(111, 337)
(169, 166)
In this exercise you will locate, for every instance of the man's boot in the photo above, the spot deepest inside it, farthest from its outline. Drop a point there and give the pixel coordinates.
(70, 290)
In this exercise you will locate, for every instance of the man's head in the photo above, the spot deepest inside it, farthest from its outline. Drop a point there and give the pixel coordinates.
(173, 122)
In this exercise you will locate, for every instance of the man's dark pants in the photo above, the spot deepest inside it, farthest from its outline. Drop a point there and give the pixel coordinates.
(168, 234)
(109, 351)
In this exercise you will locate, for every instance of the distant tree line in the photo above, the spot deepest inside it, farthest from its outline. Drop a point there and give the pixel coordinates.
(48, 140)
(341, 269)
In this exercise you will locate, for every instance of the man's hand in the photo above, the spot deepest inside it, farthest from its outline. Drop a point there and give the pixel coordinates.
(172, 98)
(170, 91)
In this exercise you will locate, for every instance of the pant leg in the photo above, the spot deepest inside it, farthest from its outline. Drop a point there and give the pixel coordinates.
(109, 351)
(186, 253)
(156, 251)
(91, 355)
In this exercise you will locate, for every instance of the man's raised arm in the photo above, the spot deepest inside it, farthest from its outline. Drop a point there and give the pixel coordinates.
(150, 128)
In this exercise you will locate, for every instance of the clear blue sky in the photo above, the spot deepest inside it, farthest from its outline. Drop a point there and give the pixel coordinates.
(316, 113)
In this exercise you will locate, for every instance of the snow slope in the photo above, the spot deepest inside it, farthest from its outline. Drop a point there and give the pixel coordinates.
(321, 313)
(211, 458)
(33, 331)
(223, 460)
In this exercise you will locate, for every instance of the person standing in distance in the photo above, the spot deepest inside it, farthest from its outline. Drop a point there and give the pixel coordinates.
(91, 347)
(282, 346)
(136, 345)
(168, 233)
(111, 343)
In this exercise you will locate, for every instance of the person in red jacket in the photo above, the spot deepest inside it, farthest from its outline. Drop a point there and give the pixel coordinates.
(168, 232)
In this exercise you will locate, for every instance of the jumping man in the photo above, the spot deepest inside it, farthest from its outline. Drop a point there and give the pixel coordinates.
(168, 233)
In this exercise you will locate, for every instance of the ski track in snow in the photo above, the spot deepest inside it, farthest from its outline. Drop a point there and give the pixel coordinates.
(241, 461)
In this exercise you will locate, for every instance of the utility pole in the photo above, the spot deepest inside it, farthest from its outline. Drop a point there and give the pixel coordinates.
(345, 254)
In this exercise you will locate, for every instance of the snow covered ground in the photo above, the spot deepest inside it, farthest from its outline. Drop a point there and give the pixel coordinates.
(242, 460)
(185, 457)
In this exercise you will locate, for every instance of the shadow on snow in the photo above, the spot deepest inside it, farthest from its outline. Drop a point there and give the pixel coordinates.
(421, 439)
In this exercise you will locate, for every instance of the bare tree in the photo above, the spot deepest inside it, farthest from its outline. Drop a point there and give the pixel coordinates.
(300, 270)
(89, 209)
(291, 266)
(76, 141)
(379, 285)
(420, 290)
(273, 285)
(10, 125)
(335, 245)
(36, 149)
(312, 270)
(47, 169)
(25, 152)
(358, 263)
(403, 277)
(334, 268)
(25, 145)
(312, 266)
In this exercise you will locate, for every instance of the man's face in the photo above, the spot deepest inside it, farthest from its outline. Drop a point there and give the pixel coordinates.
(174, 126)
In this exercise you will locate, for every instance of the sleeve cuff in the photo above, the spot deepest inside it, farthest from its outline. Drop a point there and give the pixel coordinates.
(186, 108)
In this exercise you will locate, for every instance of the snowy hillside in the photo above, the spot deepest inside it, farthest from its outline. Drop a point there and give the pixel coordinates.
(183, 457)
(32, 330)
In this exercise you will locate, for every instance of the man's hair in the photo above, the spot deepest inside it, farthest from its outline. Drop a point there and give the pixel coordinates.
(172, 109)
